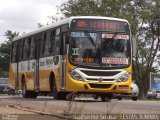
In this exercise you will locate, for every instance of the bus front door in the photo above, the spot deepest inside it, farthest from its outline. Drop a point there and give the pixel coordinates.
(63, 59)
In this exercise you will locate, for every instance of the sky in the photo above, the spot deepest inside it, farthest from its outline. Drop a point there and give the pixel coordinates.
(23, 15)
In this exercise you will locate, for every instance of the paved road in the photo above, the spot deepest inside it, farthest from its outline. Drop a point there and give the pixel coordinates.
(83, 105)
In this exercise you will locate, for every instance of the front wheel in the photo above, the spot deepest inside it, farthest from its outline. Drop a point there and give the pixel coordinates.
(56, 94)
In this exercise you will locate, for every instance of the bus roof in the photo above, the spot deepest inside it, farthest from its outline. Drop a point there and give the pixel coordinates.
(62, 22)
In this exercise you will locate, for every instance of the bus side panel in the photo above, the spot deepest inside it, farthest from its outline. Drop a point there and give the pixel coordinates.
(26, 68)
(44, 74)
(12, 74)
(47, 66)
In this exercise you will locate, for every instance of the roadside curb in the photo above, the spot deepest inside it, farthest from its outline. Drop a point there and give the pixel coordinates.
(40, 112)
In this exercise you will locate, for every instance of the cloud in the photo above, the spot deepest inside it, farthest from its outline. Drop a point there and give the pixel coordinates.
(23, 15)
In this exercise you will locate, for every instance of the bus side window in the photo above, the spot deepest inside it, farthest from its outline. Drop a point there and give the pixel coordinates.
(32, 48)
(26, 49)
(39, 45)
(29, 45)
(43, 43)
(21, 49)
(52, 41)
(47, 43)
(57, 42)
(14, 52)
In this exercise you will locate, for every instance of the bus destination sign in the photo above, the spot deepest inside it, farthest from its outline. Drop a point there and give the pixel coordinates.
(99, 24)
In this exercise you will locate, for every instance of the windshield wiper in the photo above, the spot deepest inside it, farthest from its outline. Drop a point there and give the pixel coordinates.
(90, 38)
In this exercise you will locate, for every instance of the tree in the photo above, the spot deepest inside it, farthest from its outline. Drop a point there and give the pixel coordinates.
(147, 41)
(142, 15)
(5, 49)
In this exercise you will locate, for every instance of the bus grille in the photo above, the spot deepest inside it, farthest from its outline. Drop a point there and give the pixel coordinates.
(94, 79)
(100, 73)
(100, 85)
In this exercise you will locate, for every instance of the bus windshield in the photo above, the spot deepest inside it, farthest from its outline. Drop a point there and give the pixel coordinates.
(99, 49)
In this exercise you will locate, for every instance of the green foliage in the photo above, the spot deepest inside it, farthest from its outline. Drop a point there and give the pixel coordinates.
(147, 37)
(5, 49)
(79, 7)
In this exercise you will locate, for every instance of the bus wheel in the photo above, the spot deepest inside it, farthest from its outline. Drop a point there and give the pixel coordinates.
(57, 95)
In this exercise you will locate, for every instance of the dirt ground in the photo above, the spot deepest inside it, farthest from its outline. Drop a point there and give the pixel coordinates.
(9, 113)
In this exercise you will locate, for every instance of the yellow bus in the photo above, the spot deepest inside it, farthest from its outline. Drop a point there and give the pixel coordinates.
(82, 54)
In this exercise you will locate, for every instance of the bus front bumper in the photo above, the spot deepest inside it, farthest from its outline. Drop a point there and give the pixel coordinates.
(99, 87)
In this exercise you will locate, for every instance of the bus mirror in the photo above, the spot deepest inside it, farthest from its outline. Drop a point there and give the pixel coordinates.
(134, 46)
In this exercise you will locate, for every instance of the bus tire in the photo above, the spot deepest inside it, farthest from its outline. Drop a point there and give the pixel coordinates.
(56, 95)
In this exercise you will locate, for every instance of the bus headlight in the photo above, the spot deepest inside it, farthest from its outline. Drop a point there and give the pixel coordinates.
(124, 77)
(76, 76)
